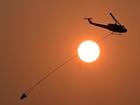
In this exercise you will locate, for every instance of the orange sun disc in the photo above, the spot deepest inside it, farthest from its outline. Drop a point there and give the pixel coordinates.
(88, 51)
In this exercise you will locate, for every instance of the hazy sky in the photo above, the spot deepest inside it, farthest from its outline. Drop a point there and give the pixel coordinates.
(38, 35)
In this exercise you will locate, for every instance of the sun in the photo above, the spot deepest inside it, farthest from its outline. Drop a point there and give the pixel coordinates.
(88, 51)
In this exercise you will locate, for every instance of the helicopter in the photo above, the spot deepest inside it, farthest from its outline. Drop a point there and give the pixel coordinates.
(116, 27)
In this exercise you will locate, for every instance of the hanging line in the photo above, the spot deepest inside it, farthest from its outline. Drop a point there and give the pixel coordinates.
(105, 37)
(28, 91)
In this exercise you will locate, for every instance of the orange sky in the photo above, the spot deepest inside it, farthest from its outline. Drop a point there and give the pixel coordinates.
(38, 35)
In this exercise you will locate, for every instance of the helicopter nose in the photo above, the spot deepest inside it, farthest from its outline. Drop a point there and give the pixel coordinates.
(125, 30)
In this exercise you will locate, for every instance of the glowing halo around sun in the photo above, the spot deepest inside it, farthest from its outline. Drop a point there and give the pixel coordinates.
(88, 51)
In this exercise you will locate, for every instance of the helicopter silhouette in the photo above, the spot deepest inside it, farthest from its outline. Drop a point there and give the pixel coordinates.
(116, 27)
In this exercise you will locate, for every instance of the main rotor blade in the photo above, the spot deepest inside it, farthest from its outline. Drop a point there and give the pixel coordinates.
(114, 19)
(88, 18)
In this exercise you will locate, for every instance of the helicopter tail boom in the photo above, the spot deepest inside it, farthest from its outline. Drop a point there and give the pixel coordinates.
(96, 24)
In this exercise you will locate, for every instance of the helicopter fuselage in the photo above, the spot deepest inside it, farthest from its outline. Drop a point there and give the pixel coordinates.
(112, 27)
(117, 28)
